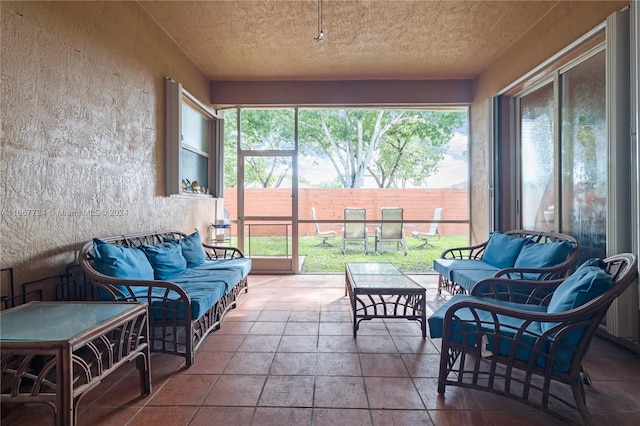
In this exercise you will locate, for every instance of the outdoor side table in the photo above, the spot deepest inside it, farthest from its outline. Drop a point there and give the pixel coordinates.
(55, 352)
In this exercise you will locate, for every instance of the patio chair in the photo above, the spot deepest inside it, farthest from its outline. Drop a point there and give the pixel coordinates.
(526, 339)
(355, 231)
(323, 235)
(429, 233)
(391, 231)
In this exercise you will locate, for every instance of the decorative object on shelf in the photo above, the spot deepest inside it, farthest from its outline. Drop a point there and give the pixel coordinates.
(195, 186)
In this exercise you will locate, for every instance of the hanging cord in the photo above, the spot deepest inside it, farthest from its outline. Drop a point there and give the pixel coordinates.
(320, 33)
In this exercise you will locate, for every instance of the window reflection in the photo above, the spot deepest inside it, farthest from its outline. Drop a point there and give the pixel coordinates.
(584, 155)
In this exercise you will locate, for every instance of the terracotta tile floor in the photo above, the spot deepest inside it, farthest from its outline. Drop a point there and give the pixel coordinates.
(286, 356)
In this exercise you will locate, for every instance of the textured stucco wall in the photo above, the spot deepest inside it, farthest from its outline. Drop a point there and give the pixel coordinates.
(565, 23)
(83, 130)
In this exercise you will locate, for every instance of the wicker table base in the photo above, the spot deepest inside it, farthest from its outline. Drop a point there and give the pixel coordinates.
(54, 353)
(380, 290)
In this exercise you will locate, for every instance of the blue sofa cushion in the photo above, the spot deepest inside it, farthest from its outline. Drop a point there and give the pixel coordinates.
(203, 295)
(468, 278)
(502, 250)
(445, 267)
(166, 259)
(192, 249)
(543, 255)
(242, 265)
(121, 262)
(228, 277)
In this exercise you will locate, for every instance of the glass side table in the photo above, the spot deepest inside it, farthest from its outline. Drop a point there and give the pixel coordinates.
(55, 352)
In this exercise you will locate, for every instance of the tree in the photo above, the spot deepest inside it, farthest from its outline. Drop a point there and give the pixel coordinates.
(350, 139)
(413, 148)
(261, 129)
(395, 146)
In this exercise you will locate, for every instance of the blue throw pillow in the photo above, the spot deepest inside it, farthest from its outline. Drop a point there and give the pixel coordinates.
(166, 259)
(121, 262)
(502, 250)
(192, 249)
(586, 283)
(543, 255)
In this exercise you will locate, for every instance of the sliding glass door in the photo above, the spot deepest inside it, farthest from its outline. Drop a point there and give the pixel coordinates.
(563, 154)
(538, 158)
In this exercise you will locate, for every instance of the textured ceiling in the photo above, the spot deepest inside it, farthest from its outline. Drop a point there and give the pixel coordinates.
(274, 40)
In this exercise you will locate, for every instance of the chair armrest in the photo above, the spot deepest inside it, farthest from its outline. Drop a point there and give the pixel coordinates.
(560, 320)
(537, 274)
(222, 252)
(518, 291)
(471, 252)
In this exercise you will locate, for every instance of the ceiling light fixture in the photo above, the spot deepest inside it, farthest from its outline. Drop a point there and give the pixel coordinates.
(320, 33)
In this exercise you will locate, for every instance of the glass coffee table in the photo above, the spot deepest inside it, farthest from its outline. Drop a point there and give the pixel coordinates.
(380, 290)
(55, 352)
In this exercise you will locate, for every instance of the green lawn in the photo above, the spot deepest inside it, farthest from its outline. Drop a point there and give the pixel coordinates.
(331, 260)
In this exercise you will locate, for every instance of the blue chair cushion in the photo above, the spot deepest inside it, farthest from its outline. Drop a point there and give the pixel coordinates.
(445, 267)
(166, 259)
(586, 283)
(508, 327)
(543, 255)
(192, 249)
(121, 262)
(502, 250)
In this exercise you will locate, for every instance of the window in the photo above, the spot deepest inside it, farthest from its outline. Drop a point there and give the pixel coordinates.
(191, 144)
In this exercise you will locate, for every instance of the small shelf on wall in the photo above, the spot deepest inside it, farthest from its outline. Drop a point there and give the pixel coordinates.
(192, 142)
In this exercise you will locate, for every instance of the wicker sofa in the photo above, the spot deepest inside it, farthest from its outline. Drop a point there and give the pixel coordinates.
(518, 254)
(188, 285)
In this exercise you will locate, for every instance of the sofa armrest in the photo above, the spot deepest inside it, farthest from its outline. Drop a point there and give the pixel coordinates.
(471, 252)
(222, 252)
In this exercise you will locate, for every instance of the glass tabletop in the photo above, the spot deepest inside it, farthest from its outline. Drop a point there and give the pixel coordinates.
(55, 321)
(379, 275)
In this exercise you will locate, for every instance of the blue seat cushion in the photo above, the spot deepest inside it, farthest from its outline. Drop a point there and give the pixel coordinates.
(242, 265)
(121, 262)
(192, 249)
(543, 255)
(502, 250)
(203, 295)
(228, 277)
(166, 259)
(468, 278)
(446, 266)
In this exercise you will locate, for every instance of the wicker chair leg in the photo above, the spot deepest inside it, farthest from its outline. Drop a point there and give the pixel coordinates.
(579, 396)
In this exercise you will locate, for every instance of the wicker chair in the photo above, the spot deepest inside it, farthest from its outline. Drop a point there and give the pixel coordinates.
(514, 347)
